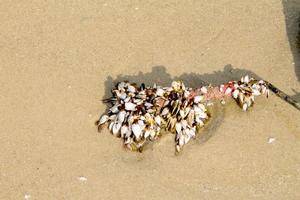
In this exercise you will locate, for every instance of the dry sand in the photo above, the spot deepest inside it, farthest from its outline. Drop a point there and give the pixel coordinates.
(60, 58)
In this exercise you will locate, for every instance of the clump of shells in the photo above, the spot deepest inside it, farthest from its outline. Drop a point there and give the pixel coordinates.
(139, 114)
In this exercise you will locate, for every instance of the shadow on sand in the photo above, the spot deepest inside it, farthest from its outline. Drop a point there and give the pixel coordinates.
(291, 10)
(160, 76)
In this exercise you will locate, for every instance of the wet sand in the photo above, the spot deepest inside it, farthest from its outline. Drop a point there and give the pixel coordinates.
(59, 59)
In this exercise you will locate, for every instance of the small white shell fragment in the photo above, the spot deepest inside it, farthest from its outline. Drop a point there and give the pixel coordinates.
(103, 119)
(223, 102)
(82, 178)
(271, 140)
(130, 106)
(26, 196)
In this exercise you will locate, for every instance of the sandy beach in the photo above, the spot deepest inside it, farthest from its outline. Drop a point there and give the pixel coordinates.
(60, 58)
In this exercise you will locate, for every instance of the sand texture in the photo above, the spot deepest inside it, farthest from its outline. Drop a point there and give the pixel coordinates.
(60, 58)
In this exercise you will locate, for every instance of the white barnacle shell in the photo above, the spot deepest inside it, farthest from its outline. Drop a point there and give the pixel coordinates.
(148, 105)
(112, 117)
(131, 89)
(123, 95)
(158, 120)
(178, 127)
(235, 93)
(222, 88)
(228, 91)
(121, 116)
(192, 132)
(110, 127)
(153, 133)
(186, 94)
(255, 92)
(199, 121)
(184, 124)
(137, 131)
(124, 130)
(146, 134)
(103, 119)
(181, 112)
(191, 116)
(160, 92)
(114, 109)
(116, 128)
(142, 124)
(198, 99)
(203, 89)
(127, 99)
(165, 111)
(130, 106)
(176, 85)
(121, 85)
(245, 106)
(181, 140)
(202, 106)
(246, 79)
(198, 109)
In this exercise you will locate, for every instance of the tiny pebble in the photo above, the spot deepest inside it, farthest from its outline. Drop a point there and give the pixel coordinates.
(82, 178)
(69, 86)
(90, 115)
(26, 196)
(271, 140)
(136, 8)
(223, 102)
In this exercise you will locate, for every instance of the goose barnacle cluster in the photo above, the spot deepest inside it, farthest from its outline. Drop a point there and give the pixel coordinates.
(139, 113)
(245, 90)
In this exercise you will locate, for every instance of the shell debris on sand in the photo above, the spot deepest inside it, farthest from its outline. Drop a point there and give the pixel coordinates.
(26, 196)
(82, 178)
(271, 140)
(139, 113)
